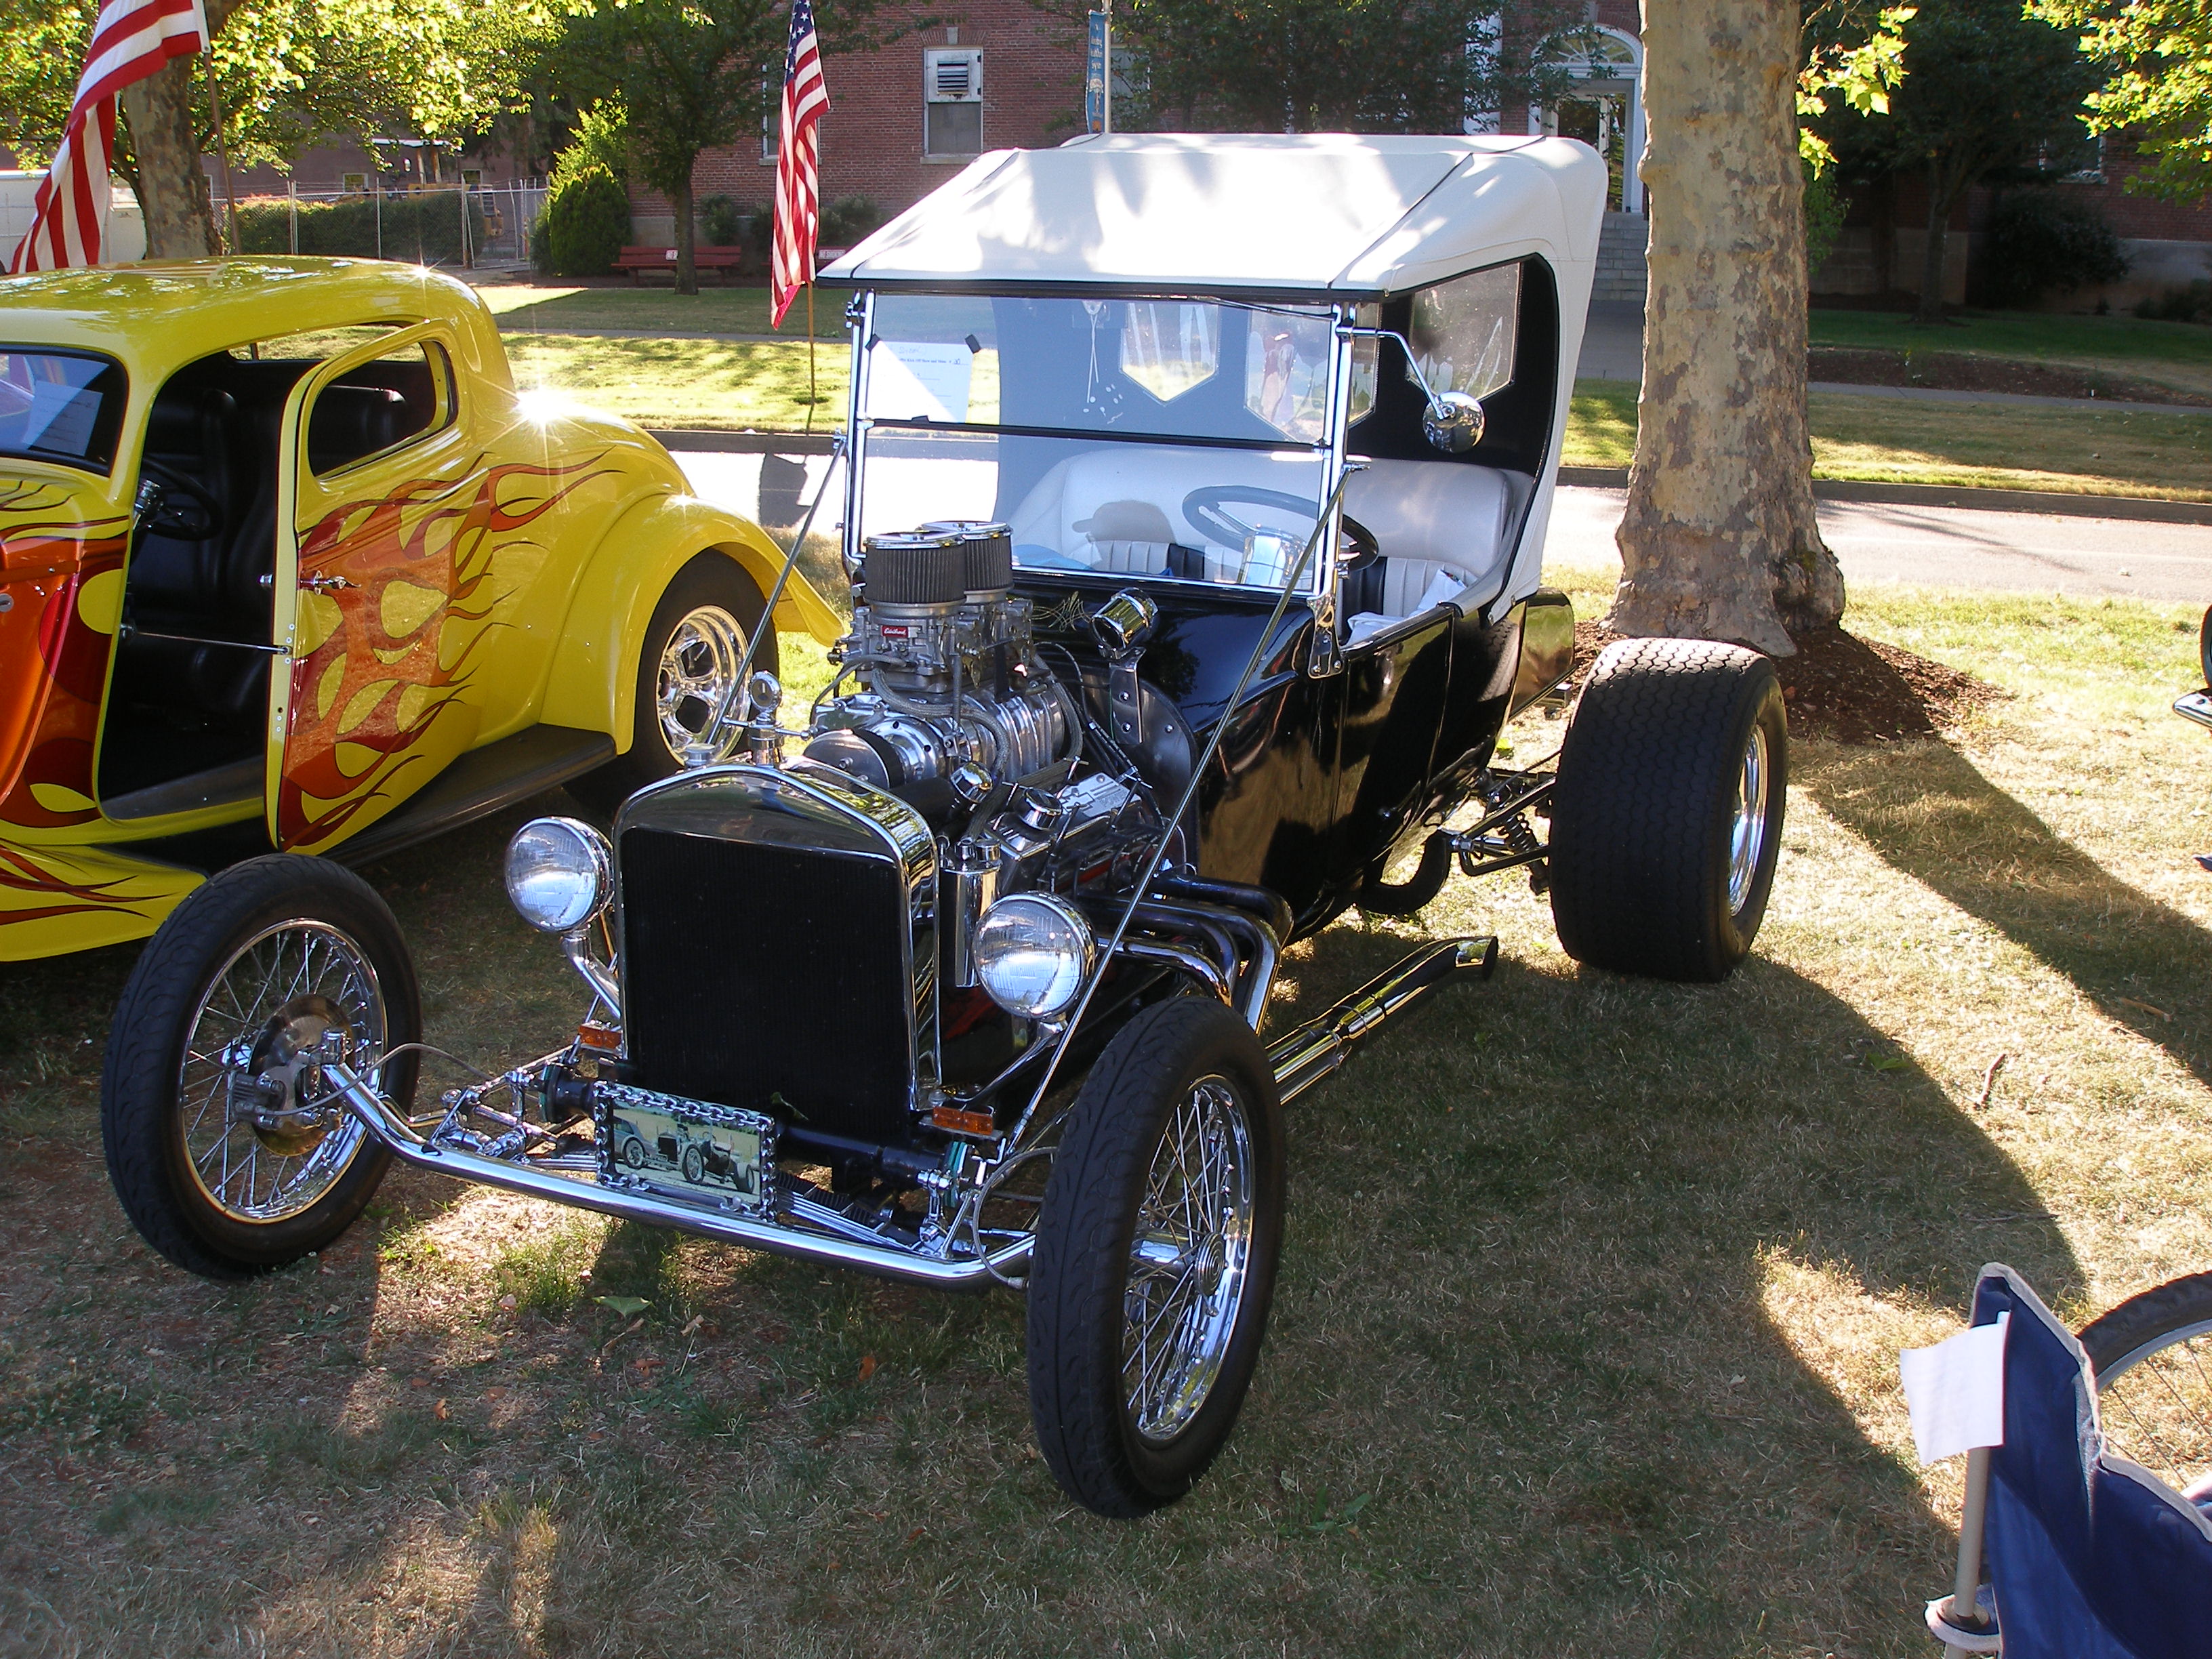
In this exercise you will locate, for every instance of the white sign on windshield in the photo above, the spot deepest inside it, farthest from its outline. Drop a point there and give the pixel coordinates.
(61, 418)
(920, 380)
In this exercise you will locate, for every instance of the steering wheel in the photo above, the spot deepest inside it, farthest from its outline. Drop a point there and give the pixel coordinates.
(185, 511)
(1203, 508)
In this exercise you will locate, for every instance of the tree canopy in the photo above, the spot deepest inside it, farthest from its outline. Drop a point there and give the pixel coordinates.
(2161, 86)
(1987, 91)
(1318, 65)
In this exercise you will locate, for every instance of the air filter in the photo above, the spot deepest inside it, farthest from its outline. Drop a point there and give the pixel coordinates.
(917, 569)
(987, 554)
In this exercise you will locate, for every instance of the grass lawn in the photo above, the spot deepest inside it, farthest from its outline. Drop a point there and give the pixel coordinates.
(2178, 354)
(688, 383)
(1985, 445)
(713, 310)
(1592, 1295)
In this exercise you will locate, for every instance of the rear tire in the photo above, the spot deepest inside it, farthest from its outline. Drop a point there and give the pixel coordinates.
(280, 947)
(686, 661)
(1149, 1291)
(1667, 818)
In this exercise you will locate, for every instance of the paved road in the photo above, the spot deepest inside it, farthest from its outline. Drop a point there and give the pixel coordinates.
(1935, 546)
(1953, 547)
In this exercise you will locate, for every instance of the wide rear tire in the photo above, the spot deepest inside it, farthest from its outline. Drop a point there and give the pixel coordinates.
(273, 964)
(1667, 818)
(1156, 1256)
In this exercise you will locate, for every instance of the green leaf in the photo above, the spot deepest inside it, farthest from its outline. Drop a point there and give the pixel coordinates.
(624, 1305)
(1888, 1063)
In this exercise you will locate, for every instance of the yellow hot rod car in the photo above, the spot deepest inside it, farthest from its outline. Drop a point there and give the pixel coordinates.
(287, 563)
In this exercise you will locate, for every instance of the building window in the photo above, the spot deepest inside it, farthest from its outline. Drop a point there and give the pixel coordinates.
(951, 103)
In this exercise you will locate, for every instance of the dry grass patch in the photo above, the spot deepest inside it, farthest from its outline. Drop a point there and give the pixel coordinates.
(1591, 1297)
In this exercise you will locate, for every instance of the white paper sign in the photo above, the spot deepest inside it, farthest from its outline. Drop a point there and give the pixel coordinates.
(920, 379)
(1955, 1391)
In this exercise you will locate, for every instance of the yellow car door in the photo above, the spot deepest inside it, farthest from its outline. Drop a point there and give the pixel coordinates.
(379, 469)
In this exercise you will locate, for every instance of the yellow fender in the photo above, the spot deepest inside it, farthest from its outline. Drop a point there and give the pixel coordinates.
(592, 685)
(54, 899)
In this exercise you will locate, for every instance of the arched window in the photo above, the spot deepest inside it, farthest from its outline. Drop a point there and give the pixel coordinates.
(1605, 109)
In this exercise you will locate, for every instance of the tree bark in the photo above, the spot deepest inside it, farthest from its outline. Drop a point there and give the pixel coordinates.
(1718, 541)
(687, 269)
(172, 187)
(1930, 309)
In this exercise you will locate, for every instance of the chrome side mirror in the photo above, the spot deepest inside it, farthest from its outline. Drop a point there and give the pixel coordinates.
(1453, 422)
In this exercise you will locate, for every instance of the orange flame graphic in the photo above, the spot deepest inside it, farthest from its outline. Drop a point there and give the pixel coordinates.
(433, 537)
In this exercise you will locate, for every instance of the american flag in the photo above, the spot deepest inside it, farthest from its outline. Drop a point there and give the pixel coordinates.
(798, 178)
(130, 39)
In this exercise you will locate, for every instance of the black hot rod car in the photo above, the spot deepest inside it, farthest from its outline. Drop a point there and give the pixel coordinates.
(1194, 507)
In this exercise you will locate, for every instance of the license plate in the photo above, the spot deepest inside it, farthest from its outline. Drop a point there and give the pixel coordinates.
(689, 1149)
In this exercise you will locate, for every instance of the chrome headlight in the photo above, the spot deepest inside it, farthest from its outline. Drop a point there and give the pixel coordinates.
(1032, 953)
(560, 873)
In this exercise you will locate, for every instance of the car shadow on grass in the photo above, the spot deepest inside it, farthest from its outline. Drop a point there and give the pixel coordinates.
(1585, 1276)
(1928, 811)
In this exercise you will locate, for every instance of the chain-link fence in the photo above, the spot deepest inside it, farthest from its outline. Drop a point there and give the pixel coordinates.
(461, 226)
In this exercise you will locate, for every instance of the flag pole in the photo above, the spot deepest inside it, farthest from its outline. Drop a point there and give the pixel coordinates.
(223, 148)
(810, 352)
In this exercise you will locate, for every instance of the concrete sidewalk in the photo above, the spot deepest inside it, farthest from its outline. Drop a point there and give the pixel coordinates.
(1951, 547)
(1876, 542)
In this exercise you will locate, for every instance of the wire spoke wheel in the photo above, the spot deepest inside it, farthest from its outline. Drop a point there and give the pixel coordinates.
(698, 669)
(1188, 1261)
(264, 1136)
(2153, 1356)
(228, 1144)
(1157, 1245)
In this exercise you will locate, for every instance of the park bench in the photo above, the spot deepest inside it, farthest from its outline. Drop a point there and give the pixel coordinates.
(730, 261)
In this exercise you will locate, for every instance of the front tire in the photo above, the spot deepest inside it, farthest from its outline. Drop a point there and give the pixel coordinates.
(2153, 1358)
(1667, 818)
(1156, 1256)
(687, 663)
(229, 1151)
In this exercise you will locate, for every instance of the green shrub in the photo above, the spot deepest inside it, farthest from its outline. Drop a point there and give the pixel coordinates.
(2191, 304)
(584, 224)
(425, 229)
(2039, 242)
(722, 222)
(601, 140)
(845, 221)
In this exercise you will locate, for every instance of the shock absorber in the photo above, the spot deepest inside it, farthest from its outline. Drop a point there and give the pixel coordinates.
(1523, 840)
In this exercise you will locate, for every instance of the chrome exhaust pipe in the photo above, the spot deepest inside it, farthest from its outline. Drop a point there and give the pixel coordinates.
(1304, 1056)
(584, 1192)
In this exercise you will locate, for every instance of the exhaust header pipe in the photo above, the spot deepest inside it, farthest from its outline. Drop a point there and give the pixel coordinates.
(1304, 1056)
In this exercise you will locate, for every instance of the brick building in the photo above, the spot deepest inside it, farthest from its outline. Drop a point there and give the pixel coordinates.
(903, 118)
(992, 74)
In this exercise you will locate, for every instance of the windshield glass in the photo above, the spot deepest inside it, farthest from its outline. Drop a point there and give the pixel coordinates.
(64, 406)
(1134, 437)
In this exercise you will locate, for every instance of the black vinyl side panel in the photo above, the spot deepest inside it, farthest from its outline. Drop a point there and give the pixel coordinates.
(752, 971)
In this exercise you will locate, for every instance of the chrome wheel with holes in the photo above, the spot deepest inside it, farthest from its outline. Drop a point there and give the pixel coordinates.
(1188, 1260)
(229, 1148)
(1748, 828)
(698, 669)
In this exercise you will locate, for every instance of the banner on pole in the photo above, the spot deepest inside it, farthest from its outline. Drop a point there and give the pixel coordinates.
(1094, 76)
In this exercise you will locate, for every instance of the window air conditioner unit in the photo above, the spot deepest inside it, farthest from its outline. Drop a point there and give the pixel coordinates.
(953, 75)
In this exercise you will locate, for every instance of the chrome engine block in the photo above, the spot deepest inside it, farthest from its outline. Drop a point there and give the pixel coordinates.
(943, 649)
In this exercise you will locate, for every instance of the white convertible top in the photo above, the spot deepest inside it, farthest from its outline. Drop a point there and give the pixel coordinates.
(1344, 215)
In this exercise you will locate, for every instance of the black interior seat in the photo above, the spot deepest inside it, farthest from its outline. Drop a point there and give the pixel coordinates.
(349, 423)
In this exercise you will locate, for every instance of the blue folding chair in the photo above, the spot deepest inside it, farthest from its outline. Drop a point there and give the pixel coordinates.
(2089, 1556)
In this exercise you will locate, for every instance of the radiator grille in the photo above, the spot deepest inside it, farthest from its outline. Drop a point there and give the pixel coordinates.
(750, 971)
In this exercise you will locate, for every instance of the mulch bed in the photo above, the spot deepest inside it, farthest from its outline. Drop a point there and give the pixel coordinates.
(1851, 690)
(1952, 370)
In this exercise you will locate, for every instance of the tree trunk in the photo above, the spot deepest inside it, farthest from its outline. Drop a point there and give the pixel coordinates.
(687, 269)
(1718, 541)
(172, 187)
(1930, 309)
